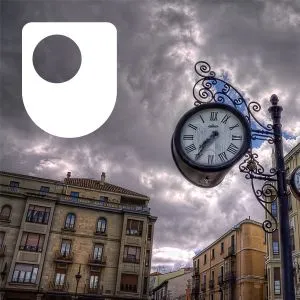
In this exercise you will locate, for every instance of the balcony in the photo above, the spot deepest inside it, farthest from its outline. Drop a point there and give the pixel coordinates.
(2, 250)
(229, 277)
(132, 260)
(231, 252)
(64, 257)
(58, 287)
(96, 290)
(196, 272)
(203, 287)
(30, 248)
(97, 260)
(211, 284)
(220, 280)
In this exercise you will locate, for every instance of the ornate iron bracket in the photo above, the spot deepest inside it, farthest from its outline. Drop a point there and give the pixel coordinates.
(208, 89)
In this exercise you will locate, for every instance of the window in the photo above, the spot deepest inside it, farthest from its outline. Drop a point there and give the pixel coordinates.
(74, 195)
(60, 278)
(65, 248)
(44, 190)
(132, 254)
(5, 212)
(101, 225)
(38, 214)
(274, 209)
(222, 247)
(134, 227)
(2, 235)
(94, 280)
(70, 221)
(14, 186)
(25, 273)
(213, 253)
(232, 242)
(204, 258)
(204, 278)
(292, 238)
(275, 242)
(212, 276)
(129, 283)
(103, 199)
(277, 281)
(149, 232)
(98, 251)
(147, 260)
(32, 242)
(145, 285)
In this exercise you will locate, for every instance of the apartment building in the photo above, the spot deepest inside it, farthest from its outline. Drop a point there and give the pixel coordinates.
(73, 239)
(173, 286)
(232, 267)
(292, 160)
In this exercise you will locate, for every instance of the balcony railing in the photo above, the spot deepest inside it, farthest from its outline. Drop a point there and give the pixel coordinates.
(196, 272)
(59, 287)
(2, 250)
(85, 201)
(231, 251)
(96, 290)
(30, 248)
(97, 260)
(203, 286)
(229, 277)
(66, 256)
(211, 284)
(133, 260)
(220, 280)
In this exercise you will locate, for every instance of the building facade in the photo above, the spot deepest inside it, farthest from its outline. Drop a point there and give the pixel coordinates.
(232, 267)
(174, 288)
(76, 239)
(292, 160)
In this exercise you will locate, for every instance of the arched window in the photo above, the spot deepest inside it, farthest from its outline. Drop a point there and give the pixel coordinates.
(70, 221)
(101, 225)
(5, 212)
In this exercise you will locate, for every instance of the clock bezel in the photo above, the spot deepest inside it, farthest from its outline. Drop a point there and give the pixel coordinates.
(293, 183)
(245, 146)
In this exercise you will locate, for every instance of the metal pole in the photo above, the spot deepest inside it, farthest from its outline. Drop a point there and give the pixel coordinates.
(285, 246)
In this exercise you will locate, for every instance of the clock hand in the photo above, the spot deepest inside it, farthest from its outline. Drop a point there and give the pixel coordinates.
(206, 143)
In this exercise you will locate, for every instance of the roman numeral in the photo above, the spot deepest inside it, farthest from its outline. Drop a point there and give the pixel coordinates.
(225, 119)
(192, 126)
(232, 127)
(210, 159)
(223, 156)
(201, 118)
(233, 149)
(188, 137)
(190, 148)
(236, 137)
(214, 116)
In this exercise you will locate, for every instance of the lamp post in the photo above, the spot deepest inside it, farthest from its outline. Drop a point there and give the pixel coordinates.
(77, 277)
(195, 152)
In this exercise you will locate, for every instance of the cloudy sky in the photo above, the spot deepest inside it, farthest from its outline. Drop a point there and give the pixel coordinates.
(256, 42)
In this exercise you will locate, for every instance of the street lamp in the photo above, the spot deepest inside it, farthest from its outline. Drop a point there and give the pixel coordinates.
(210, 139)
(77, 277)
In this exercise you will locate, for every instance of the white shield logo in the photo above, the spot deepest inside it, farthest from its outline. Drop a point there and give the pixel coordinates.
(76, 106)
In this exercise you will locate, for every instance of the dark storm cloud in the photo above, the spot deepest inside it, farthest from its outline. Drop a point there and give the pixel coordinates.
(257, 42)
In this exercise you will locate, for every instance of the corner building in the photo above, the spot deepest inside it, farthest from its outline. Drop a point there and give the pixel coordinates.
(76, 239)
(232, 267)
(273, 263)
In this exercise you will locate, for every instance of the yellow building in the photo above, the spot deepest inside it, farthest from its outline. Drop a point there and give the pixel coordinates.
(79, 238)
(232, 267)
(292, 160)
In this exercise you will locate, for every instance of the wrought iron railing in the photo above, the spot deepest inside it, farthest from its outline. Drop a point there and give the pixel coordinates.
(133, 260)
(65, 256)
(30, 248)
(211, 284)
(59, 286)
(203, 286)
(220, 280)
(97, 260)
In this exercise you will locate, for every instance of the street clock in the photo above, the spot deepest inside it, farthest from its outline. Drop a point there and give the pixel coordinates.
(295, 182)
(208, 141)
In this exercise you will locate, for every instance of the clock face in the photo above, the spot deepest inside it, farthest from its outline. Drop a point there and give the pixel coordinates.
(297, 179)
(214, 136)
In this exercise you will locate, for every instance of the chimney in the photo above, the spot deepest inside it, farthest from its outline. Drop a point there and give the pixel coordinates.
(102, 178)
(68, 174)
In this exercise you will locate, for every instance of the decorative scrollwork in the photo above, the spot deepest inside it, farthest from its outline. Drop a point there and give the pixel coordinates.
(210, 88)
(268, 193)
